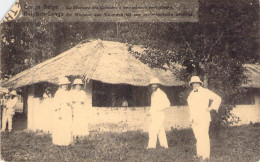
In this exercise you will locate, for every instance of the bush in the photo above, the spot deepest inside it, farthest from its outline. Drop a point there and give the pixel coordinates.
(223, 118)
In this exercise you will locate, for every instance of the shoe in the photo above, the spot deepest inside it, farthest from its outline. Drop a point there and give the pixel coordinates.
(201, 158)
(198, 157)
(165, 147)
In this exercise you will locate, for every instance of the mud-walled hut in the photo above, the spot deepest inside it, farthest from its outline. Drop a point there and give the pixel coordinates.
(115, 82)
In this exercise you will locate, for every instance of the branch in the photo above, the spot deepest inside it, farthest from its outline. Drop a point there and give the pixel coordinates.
(192, 52)
(205, 45)
(216, 41)
(214, 45)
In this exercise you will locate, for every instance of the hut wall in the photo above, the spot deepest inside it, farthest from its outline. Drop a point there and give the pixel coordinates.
(247, 113)
(30, 110)
(177, 117)
(40, 114)
(121, 119)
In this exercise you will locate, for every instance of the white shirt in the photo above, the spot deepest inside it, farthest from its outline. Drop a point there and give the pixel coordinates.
(198, 103)
(159, 101)
(10, 110)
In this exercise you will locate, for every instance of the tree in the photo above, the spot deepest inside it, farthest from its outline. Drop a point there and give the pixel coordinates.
(214, 48)
(25, 44)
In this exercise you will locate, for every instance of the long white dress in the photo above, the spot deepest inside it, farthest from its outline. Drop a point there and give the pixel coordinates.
(80, 113)
(62, 126)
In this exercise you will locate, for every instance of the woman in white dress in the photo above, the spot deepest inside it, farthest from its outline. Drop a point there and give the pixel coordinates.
(80, 110)
(62, 130)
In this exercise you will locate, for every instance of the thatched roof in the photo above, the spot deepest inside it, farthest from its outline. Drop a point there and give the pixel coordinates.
(3, 90)
(253, 74)
(105, 61)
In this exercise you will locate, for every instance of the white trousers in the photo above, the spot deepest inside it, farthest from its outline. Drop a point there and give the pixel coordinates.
(157, 129)
(7, 119)
(201, 132)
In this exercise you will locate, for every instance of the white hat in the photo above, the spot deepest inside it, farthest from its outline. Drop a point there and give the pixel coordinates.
(195, 79)
(155, 81)
(64, 81)
(77, 81)
(13, 93)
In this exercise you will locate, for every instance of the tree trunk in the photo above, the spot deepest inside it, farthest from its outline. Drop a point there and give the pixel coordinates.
(206, 81)
(206, 76)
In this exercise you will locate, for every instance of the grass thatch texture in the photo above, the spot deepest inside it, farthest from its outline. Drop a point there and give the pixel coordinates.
(253, 74)
(106, 61)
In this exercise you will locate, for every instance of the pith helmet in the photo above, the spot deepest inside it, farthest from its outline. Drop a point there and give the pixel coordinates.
(155, 81)
(77, 81)
(64, 81)
(195, 79)
(14, 93)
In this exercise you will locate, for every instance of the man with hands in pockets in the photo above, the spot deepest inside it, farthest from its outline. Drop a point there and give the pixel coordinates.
(159, 101)
(200, 106)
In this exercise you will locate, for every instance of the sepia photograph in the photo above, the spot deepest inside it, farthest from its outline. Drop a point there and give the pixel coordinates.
(130, 80)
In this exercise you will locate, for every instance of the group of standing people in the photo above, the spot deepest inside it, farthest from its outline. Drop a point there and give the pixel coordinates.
(70, 113)
(200, 102)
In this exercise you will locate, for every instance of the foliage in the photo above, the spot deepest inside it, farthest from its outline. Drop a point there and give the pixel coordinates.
(25, 44)
(224, 117)
(214, 48)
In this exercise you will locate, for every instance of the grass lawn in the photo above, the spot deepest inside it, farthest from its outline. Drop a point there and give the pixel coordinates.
(231, 144)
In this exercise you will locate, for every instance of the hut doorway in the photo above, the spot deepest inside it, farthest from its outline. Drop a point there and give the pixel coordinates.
(119, 95)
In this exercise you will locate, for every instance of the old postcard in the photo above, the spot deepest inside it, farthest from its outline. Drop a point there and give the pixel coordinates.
(130, 80)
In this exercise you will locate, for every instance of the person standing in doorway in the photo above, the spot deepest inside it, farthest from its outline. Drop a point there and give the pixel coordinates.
(201, 101)
(159, 101)
(9, 111)
(47, 93)
(80, 110)
(61, 133)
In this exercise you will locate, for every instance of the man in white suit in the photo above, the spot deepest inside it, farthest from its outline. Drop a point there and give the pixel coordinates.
(9, 111)
(200, 106)
(159, 101)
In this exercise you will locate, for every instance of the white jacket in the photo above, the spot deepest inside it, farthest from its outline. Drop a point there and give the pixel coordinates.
(10, 106)
(198, 103)
(159, 101)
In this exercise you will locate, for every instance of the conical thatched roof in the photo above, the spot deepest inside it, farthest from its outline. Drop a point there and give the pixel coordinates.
(253, 74)
(105, 61)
